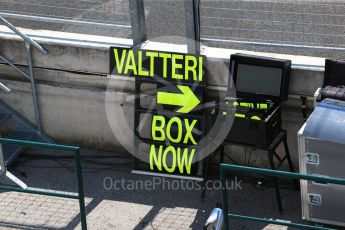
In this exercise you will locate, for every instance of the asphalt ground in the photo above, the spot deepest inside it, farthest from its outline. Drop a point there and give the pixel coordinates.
(117, 199)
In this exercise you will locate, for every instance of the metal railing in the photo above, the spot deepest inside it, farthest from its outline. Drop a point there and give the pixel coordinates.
(29, 43)
(225, 169)
(23, 36)
(307, 27)
(37, 191)
(63, 21)
(108, 18)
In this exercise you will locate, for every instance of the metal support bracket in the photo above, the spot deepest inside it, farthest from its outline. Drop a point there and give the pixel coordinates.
(192, 12)
(5, 173)
(138, 22)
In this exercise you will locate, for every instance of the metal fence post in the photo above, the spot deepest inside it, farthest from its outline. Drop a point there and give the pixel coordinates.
(224, 168)
(225, 207)
(138, 22)
(192, 12)
(80, 190)
(45, 192)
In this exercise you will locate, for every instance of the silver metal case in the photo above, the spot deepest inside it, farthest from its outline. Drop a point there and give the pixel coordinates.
(321, 146)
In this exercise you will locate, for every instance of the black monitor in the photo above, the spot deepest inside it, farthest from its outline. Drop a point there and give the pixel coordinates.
(260, 77)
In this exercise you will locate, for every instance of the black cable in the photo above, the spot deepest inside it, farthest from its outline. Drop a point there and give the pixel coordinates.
(245, 155)
(227, 156)
(304, 107)
(62, 160)
(84, 159)
(87, 161)
(267, 181)
(91, 170)
(250, 155)
(85, 169)
(72, 156)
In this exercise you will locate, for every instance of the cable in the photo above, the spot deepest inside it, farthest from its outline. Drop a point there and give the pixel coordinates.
(304, 107)
(63, 161)
(250, 155)
(227, 156)
(245, 155)
(36, 155)
(266, 181)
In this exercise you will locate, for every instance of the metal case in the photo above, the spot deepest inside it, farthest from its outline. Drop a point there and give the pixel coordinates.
(321, 144)
(242, 66)
(259, 133)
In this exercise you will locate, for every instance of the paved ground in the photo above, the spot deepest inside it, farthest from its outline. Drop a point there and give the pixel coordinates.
(125, 207)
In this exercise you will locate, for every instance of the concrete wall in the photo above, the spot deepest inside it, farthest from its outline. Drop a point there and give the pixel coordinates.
(72, 83)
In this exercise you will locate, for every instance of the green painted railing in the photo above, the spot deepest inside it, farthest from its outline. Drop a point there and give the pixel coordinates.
(79, 196)
(225, 169)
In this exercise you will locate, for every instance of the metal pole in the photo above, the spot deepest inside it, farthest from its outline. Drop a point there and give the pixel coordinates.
(2, 160)
(26, 38)
(38, 144)
(286, 174)
(46, 192)
(192, 15)
(64, 21)
(138, 22)
(4, 88)
(269, 172)
(271, 44)
(14, 67)
(81, 191)
(33, 86)
(225, 199)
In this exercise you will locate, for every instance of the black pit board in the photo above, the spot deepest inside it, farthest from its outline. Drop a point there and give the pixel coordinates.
(169, 89)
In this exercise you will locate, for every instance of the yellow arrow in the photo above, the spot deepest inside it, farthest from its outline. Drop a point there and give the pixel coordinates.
(187, 100)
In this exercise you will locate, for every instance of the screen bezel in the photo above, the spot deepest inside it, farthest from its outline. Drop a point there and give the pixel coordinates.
(284, 65)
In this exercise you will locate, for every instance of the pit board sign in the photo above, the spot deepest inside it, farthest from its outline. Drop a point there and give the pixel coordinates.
(168, 113)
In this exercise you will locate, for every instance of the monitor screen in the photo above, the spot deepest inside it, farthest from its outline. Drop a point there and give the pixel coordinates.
(259, 79)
